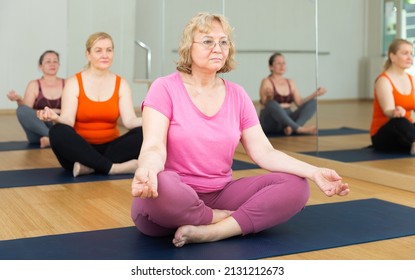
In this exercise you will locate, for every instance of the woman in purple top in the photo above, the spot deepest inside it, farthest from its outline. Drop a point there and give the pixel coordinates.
(46, 91)
(193, 121)
(278, 94)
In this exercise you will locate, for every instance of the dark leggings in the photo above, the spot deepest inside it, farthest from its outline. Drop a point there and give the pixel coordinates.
(69, 147)
(397, 134)
(32, 126)
(274, 118)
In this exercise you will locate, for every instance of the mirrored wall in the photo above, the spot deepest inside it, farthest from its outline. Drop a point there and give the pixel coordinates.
(260, 29)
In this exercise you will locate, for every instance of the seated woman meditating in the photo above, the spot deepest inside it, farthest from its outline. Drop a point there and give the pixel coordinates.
(86, 137)
(193, 121)
(392, 127)
(46, 91)
(277, 94)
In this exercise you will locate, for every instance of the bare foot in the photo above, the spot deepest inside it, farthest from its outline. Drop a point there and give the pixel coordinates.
(44, 142)
(79, 169)
(288, 130)
(191, 234)
(206, 233)
(219, 215)
(307, 130)
(413, 149)
(128, 167)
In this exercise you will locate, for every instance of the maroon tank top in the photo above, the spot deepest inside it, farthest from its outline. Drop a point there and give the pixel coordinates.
(41, 101)
(282, 98)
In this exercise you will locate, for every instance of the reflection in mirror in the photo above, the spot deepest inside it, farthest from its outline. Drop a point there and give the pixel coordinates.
(347, 67)
(284, 26)
(287, 27)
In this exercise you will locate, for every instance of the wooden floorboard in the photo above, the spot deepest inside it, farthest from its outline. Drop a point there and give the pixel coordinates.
(63, 208)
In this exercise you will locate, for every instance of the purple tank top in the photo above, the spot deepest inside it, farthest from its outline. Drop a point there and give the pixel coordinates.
(282, 98)
(41, 101)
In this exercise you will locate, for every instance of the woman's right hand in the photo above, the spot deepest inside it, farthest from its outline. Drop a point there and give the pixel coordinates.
(13, 96)
(267, 96)
(47, 115)
(144, 184)
(399, 112)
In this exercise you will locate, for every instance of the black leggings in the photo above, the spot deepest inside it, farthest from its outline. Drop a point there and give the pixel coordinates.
(69, 147)
(397, 134)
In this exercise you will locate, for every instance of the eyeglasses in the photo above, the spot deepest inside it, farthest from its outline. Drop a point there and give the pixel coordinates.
(210, 44)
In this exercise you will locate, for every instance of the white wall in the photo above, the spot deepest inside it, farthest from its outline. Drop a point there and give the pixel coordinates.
(111, 16)
(27, 29)
(349, 34)
(261, 27)
(342, 32)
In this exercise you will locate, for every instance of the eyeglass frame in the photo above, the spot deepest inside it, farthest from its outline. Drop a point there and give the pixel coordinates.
(203, 43)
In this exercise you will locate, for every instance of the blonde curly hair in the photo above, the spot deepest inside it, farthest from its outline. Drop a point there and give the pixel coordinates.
(203, 22)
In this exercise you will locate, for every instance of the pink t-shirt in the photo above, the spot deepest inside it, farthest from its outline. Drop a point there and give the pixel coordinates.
(201, 148)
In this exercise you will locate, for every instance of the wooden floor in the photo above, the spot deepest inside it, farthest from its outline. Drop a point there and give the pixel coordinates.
(64, 208)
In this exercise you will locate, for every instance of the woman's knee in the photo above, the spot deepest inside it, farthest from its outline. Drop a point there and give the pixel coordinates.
(177, 204)
(293, 198)
(302, 190)
(24, 111)
(273, 106)
(172, 190)
(166, 179)
(295, 188)
(59, 129)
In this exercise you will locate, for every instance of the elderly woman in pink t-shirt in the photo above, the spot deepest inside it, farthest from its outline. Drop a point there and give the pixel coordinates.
(193, 121)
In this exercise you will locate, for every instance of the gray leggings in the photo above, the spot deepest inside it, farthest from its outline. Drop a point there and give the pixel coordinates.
(274, 118)
(32, 126)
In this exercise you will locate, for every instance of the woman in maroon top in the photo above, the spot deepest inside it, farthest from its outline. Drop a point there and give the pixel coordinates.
(46, 91)
(277, 94)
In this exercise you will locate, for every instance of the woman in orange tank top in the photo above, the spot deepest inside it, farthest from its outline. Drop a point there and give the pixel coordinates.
(85, 138)
(392, 127)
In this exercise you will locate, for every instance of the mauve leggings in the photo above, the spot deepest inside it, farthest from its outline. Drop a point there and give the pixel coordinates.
(259, 202)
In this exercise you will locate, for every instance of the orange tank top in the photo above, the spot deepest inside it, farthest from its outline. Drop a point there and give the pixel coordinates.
(96, 121)
(407, 101)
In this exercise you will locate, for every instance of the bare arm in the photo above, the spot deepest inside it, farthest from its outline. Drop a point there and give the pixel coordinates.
(152, 155)
(30, 95)
(383, 90)
(262, 152)
(69, 105)
(14, 96)
(266, 92)
(127, 112)
(297, 97)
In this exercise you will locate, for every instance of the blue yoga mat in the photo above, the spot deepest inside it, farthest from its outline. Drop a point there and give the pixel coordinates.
(24, 145)
(326, 132)
(243, 165)
(49, 176)
(317, 227)
(57, 175)
(355, 155)
(17, 145)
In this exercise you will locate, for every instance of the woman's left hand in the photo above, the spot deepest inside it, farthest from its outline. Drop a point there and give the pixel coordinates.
(320, 91)
(330, 182)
